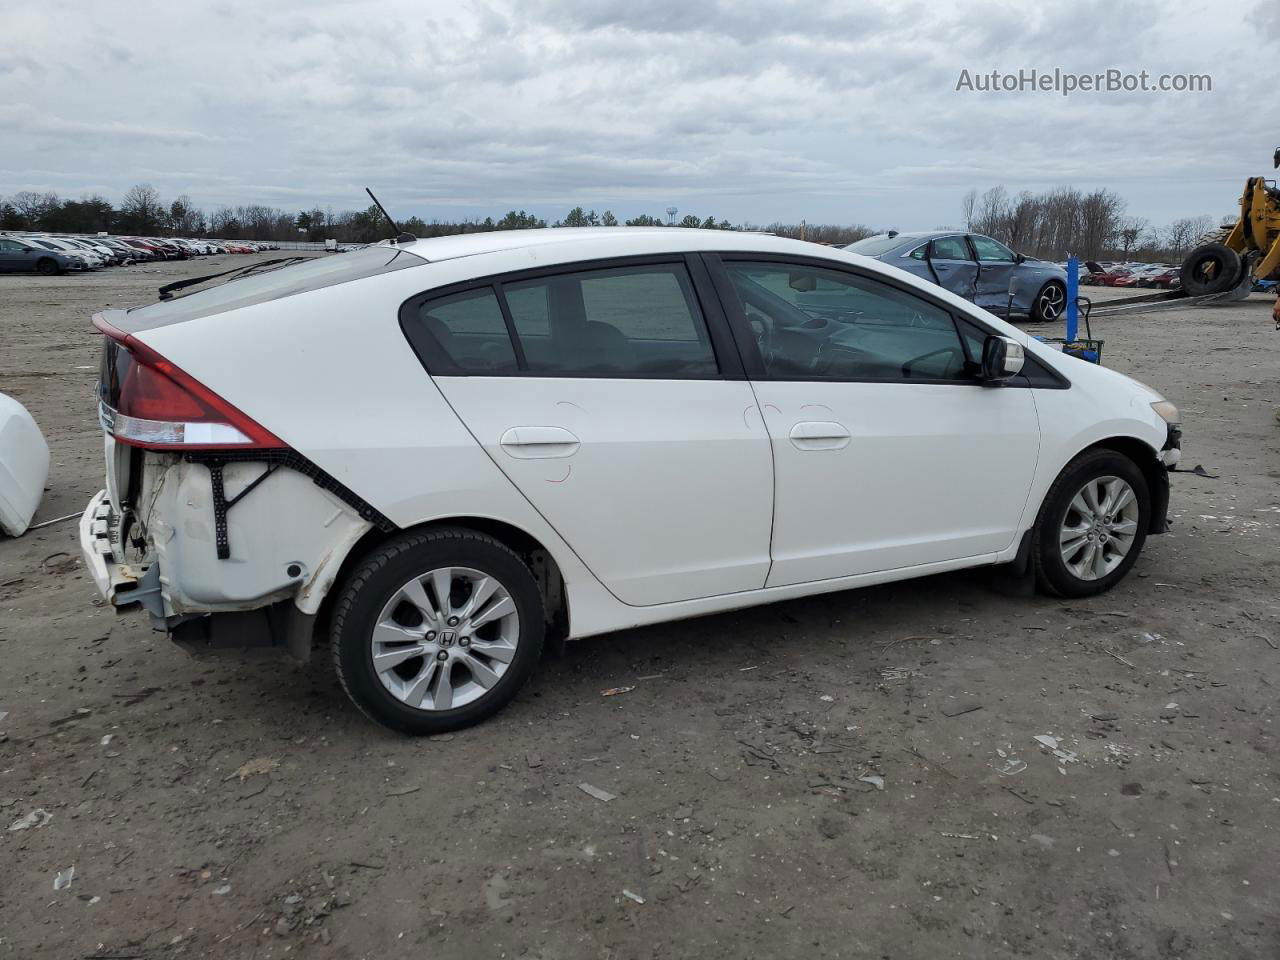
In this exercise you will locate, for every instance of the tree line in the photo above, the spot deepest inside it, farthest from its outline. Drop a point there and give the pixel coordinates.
(1093, 225)
(143, 213)
(1050, 225)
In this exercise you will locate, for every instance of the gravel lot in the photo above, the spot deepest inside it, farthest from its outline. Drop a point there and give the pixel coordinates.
(848, 776)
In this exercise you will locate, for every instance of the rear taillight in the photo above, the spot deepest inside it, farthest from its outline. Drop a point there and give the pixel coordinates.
(155, 404)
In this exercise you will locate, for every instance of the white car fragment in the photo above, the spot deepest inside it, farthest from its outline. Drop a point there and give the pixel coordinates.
(24, 466)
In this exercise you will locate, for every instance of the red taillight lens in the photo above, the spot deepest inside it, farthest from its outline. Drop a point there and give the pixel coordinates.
(160, 406)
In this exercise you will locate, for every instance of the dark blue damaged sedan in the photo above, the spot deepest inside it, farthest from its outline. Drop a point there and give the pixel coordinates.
(977, 268)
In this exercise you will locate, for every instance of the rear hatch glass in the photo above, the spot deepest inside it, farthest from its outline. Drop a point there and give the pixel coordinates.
(243, 291)
(874, 246)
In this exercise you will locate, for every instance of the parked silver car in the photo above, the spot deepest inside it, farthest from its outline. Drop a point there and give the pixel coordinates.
(19, 253)
(977, 268)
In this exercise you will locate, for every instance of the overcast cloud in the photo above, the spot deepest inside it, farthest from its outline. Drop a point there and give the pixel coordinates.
(833, 112)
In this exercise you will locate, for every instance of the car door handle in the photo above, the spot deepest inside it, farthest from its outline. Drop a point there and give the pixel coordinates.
(819, 435)
(539, 443)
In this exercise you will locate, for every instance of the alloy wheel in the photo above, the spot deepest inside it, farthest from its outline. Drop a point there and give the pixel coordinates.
(1051, 302)
(445, 638)
(1099, 527)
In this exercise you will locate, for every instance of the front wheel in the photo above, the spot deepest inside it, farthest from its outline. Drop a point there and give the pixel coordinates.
(48, 267)
(437, 630)
(1050, 302)
(1092, 525)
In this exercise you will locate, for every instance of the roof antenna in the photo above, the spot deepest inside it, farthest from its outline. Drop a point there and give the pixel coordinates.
(401, 236)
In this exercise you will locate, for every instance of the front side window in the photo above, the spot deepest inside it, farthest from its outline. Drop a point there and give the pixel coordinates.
(641, 321)
(818, 323)
(9, 246)
(989, 251)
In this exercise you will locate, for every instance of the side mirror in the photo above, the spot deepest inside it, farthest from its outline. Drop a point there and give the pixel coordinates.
(802, 282)
(1019, 258)
(1002, 358)
(27, 249)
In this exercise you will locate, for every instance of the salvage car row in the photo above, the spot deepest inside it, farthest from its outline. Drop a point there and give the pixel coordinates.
(52, 254)
(1161, 276)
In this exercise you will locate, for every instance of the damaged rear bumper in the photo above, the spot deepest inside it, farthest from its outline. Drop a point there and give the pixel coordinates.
(100, 546)
(214, 577)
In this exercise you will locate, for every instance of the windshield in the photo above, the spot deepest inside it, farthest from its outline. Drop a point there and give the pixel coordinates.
(874, 246)
(244, 291)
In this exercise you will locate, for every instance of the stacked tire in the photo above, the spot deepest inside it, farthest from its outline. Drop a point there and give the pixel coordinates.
(1213, 267)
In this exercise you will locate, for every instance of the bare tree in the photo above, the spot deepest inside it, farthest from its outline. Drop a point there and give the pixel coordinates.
(1020, 221)
(184, 217)
(967, 204)
(141, 209)
(34, 207)
(1132, 229)
(993, 212)
(1181, 235)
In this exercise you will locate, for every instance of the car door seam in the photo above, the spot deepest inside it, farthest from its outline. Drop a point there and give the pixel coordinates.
(773, 479)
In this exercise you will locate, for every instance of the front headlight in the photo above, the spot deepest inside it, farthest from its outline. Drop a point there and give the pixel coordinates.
(1167, 411)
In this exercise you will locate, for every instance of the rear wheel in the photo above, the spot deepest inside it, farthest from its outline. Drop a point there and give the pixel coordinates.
(1211, 268)
(1092, 525)
(436, 631)
(48, 267)
(1050, 302)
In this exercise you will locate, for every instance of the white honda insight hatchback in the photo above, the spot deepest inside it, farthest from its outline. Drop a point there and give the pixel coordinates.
(442, 452)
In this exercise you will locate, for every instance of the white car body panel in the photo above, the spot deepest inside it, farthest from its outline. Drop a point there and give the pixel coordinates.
(692, 452)
(24, 466)
(319, 529)
(897, 474)
(678, 532)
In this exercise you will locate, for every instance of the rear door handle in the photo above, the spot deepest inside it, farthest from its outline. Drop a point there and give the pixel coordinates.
(539, 443)
(819, 435)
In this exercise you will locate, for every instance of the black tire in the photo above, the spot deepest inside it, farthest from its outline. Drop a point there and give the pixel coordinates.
(48, 267)
(375, 581)
(1210, 268)
(1050, 303)
(1244, 285)
(1052, 573)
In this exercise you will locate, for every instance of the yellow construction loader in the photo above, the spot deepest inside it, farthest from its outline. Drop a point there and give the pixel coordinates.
(1230, 259)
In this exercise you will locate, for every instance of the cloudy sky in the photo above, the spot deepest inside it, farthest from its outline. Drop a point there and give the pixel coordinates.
(828, 111)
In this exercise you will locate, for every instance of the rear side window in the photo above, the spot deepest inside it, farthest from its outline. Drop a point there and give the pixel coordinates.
(951, 248)
(989, 251)
(639, 321)
(635, 321)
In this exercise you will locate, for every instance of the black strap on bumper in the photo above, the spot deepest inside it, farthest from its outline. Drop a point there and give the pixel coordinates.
(273, 460)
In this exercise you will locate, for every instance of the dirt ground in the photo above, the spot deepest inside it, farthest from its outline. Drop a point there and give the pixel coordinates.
(853, 775)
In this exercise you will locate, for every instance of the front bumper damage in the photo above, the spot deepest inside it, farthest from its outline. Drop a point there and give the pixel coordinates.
(214, 577)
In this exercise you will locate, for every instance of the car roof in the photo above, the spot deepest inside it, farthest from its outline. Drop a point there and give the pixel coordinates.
(607, 242)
